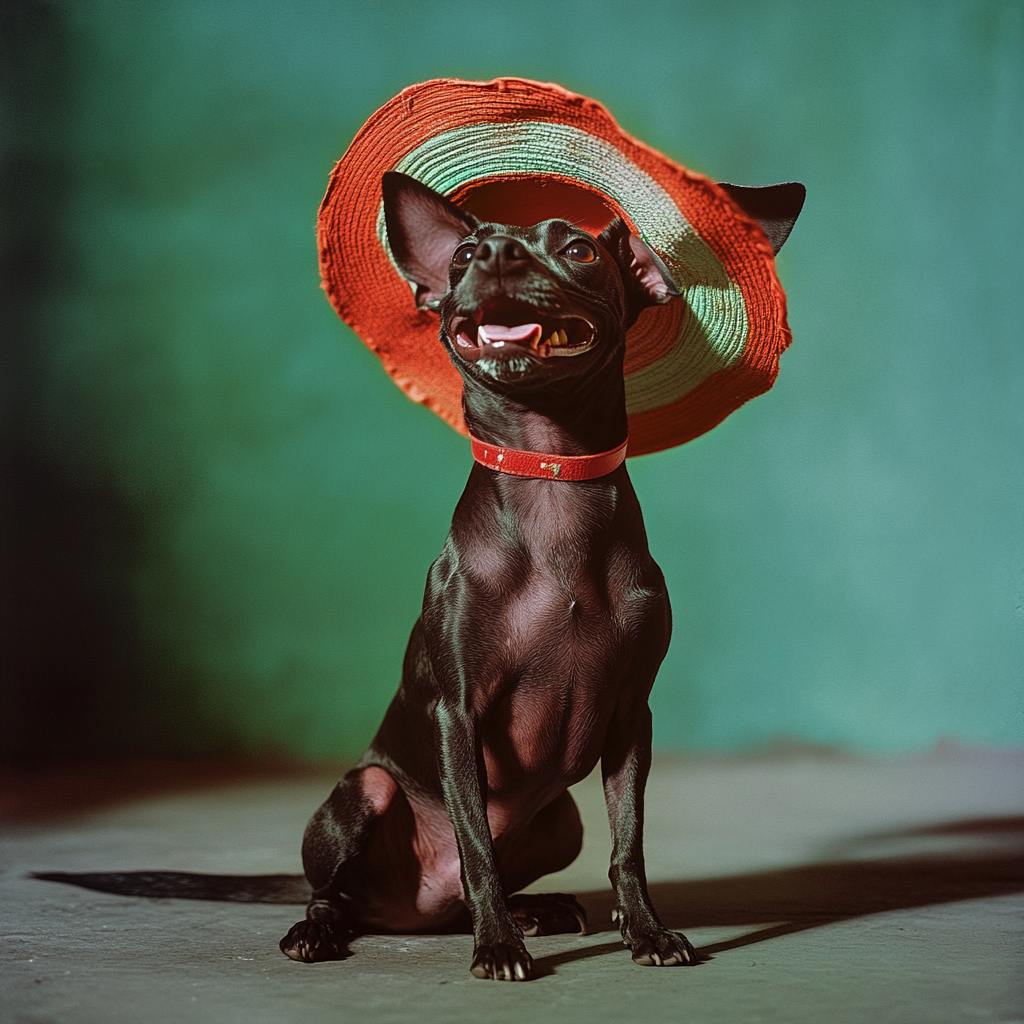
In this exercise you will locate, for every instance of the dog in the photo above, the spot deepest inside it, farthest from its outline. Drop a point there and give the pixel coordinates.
(544, 621)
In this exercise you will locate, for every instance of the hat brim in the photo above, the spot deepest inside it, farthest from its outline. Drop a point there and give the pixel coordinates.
(517, 152)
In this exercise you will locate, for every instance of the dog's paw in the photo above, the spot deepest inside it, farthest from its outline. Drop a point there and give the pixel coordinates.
(315, 941)
(663, 949)
(655, 946)
(502, 962)
(549, 913)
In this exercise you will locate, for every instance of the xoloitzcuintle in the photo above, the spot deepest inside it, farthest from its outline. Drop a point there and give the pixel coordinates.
(545, 617)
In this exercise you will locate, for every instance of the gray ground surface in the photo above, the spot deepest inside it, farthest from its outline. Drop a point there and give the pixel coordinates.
(823, 888)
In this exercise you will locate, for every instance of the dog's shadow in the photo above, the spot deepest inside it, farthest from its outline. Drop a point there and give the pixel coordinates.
(791, 900)
(776, 903)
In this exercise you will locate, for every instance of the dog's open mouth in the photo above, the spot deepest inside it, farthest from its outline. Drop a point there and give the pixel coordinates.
(512, 329)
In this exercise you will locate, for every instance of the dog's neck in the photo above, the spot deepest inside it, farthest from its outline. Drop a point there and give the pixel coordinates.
(586, 419)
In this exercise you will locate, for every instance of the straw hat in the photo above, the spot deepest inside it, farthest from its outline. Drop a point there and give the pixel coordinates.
(518, 152)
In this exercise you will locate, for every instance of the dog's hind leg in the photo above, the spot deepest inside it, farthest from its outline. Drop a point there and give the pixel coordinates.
(337, 833)
(550, 842)
(548, 913)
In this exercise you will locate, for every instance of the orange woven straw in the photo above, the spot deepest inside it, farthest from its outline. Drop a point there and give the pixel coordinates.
(518, 152)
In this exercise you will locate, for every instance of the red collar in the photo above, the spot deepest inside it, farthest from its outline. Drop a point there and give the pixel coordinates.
(547, 467)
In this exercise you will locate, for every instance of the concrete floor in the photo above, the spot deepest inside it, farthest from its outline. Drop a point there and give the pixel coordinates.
(823, 888)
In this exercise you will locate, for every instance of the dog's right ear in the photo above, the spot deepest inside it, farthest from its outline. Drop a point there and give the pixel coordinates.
(423, 230)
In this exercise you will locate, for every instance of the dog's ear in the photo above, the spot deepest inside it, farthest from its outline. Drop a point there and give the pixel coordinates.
(774, 207)
(647, 279)
(423, 230)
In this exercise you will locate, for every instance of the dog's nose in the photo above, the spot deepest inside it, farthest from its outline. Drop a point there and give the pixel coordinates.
(499, 253)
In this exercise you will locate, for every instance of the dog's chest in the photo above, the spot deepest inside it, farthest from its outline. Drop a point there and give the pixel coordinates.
(563, 592)
(551, 689)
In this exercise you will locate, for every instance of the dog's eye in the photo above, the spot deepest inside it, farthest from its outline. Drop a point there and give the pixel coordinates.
(463, 256)
(581, 252)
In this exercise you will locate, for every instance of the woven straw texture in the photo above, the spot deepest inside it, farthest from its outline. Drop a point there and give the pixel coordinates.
(516, 151)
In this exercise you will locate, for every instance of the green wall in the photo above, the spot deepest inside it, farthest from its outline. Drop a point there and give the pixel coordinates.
(219, 512)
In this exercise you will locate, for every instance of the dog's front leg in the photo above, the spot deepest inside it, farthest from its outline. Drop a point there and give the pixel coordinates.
(625, 765)
(499, 952)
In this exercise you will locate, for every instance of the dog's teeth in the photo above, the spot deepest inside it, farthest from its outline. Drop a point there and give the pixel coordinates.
(563, 338)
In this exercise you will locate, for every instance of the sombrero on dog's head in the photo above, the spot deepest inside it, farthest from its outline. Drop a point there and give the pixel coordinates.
(519, 152)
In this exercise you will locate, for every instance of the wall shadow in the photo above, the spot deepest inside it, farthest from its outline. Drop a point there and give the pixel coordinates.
(69, 539)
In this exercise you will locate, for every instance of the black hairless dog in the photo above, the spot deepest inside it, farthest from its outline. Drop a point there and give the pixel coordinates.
(545, 617)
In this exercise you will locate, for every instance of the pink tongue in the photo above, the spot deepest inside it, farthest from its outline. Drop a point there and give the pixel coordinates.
(525, 333)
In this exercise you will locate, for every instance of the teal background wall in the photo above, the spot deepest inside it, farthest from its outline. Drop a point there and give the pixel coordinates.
(219, 512)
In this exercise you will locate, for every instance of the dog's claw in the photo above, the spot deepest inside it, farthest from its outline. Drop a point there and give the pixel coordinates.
(502, 962)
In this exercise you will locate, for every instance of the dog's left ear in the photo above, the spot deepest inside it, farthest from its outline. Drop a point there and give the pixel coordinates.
(423, 230)
(647, 279)
(774, 207)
